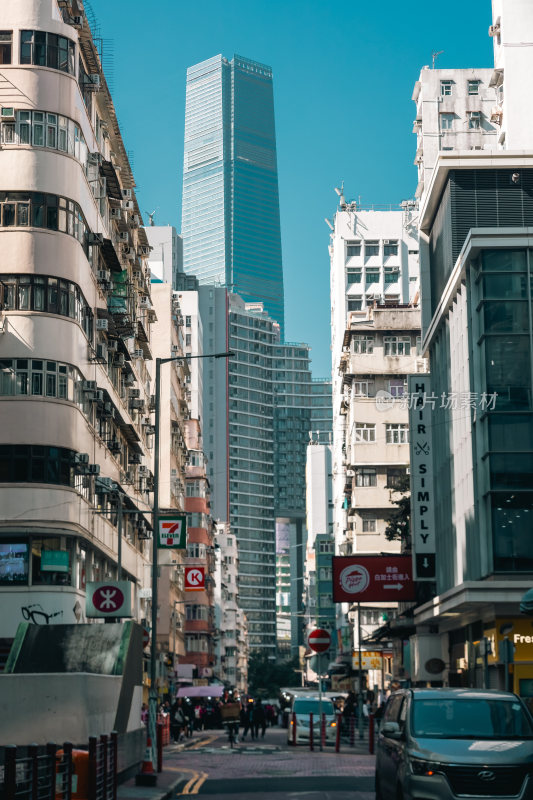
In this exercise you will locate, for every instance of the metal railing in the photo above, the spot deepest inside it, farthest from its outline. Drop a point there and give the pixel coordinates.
(49, 773)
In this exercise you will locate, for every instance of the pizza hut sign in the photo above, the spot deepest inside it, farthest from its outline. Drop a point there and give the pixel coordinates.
(358, 579)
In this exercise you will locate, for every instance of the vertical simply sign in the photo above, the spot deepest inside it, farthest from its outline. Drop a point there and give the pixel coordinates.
(421, 415)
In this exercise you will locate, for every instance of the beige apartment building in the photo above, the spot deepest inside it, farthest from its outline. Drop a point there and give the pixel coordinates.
(75, 329)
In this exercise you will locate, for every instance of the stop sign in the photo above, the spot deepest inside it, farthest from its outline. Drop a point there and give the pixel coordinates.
(319, 640)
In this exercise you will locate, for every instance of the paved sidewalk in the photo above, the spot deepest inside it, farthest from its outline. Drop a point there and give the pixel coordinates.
(170, 779)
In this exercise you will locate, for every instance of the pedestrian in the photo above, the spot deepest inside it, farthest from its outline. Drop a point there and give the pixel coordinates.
(144, 714)
(246, 719)
(177, 720)
(259, 719)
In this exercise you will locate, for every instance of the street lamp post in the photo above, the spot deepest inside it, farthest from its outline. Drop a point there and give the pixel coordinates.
(153, 652)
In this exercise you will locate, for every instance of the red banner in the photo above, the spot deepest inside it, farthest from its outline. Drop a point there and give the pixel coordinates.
(372, 579)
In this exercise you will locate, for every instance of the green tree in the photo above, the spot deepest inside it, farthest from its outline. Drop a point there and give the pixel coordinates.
(399, 525)
(266, 677)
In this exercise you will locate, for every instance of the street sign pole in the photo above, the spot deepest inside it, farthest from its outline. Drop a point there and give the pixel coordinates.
(360, 679)
(319, 658)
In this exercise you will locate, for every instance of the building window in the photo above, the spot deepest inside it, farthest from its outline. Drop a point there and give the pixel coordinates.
(397, 345)
(355, 303)
(188, 321)
(366, 477)
(397, 387)
(395, 478)
(39, 377)
(47, 50)
(36, 464)
(371, 249)
(446, 88)
(362, 388)
(53, 296)
(353, 249)
(6, 38)
(42, 129)
(364, 432)
(196, 550)
(363, 343)
(353, 275)
(325, 574)
(397, 433)
(197, 612)
(473, 87)
(188, 340)
(391, 275)
(474, 120)
(369, 524)
(39, 210)
(446, 121)
(371, 276)
(390, 249)
(326, 547)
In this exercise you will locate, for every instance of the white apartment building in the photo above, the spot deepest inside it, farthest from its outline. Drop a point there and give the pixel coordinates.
(167, 341)
(454, 111)
(374, 258)
(75, 327)
(375, 334)
(166, 253)
(232, 644)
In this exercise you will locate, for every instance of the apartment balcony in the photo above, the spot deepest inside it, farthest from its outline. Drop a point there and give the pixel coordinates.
(372, 497)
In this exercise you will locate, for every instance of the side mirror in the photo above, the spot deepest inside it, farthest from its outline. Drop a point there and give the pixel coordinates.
(392, 730)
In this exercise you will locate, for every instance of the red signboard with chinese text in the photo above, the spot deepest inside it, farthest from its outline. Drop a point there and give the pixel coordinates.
(363, 579)
(194, 579)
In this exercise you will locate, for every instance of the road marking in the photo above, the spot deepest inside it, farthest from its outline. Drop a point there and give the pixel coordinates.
(193, 786)
(204, 742)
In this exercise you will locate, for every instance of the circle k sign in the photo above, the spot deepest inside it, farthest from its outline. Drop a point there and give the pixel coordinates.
(194, 579)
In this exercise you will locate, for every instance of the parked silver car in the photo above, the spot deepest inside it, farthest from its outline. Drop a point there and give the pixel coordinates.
(442, 744)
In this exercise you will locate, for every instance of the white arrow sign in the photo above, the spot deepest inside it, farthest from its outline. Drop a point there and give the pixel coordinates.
(397, 586)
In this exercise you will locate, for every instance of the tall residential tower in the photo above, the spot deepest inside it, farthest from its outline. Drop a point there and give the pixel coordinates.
(230, 219)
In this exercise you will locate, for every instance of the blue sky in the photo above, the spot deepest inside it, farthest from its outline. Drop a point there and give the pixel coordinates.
(343, 79)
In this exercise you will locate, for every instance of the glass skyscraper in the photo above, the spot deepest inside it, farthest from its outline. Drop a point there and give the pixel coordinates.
(230, 212)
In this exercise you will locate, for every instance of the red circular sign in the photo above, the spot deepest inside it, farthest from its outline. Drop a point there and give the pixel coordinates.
(146, 638)
(108, 599)
(319, 640)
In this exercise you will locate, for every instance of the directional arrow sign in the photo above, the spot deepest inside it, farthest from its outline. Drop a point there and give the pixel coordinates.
(372, 578)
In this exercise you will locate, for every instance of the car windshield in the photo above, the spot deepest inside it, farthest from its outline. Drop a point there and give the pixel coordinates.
(310, 706)
(471, 718)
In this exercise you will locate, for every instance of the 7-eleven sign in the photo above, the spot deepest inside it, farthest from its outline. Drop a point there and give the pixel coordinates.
(173, 531)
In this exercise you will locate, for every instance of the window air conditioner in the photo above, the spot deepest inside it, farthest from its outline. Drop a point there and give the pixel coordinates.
(103, 276)
(7, 114)
(88, 386)
(137, 354)
(135, 392)
(102, 324)
(96, 239)
(126, 194)
(101, 350)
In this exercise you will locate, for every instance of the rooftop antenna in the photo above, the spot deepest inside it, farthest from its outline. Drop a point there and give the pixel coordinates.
(340, 192)
(151, 217)
(435, 54)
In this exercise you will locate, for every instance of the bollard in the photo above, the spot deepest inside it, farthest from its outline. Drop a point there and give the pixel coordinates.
(67, 778)
(338, 733)
(105, 764)
(93, 768)
(114, 745)
(159, 738)
(371, 734)
(50, 793)
(311, 732)
(33, 753)
(323, 731)
(293, 728)
(10, 772)
(352, 732)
